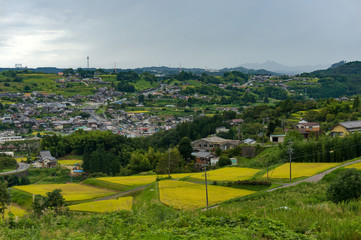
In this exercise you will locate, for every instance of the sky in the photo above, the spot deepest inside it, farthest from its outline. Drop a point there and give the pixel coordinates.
(210, 34)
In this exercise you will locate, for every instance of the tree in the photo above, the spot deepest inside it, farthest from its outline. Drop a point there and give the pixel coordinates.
(53, 200)
(174, 159)
(224, 161)
(141, 98)
(4, 198)
(356, 103)
(345, 187)
(185, 148)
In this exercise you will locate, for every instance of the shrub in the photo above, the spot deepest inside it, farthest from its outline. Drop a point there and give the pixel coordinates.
(224, 161)
(345, 187)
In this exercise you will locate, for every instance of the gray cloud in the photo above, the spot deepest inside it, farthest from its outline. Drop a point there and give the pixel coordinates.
(198, 33)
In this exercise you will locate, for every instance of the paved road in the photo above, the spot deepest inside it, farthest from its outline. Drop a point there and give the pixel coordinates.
(314, 178)
(22, 167)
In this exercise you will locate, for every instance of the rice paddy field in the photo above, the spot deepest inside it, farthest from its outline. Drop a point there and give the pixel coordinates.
(70, 162)
(70, 191)
(185, 195)
(18, 212)
(228, 174)
(124, 203)
(131, 181)
(175, 175)
(300, 170)
(356, 165)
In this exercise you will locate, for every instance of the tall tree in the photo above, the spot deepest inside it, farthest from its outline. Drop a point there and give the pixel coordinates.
(4, 198)
(185, 148)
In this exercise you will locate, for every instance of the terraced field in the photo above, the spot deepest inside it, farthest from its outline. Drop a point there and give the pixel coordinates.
(70, 162)
(18, 212)
(300, 170)
(70, 191)
(131, 181)
(356, 165)
(227, 174)
(185, 195)
(175, 175)
(124, 203)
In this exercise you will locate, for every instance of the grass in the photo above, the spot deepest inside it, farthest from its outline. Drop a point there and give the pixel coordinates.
(227, 174)
(124, 203)
(21, 198)
(131, 181)
(71, 191)
(184, 195)
(300, 170)
(304, 209)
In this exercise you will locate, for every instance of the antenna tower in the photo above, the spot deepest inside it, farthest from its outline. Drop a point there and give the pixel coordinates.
(87, 58)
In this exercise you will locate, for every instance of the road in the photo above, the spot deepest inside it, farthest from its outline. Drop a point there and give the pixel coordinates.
(22, 167)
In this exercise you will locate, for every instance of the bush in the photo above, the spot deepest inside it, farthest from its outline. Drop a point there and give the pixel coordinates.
(224, 161)
(345, 187)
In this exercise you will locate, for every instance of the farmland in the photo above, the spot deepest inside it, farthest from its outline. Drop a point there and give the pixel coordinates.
(300, 170)
(184, 195)
(112, 205)
(356, 165)
(228, 174)
(131, 181)
(70, 191)
(70, 162)
(18, 212)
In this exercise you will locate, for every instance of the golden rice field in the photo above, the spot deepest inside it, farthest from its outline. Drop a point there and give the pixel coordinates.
(299, 170)
(356, 165)
(18, 212)
(23, 159)
(70, 191)
(70, 162)
(139, 111)
(185, 195)
(131, 180)
(124, 203)
(227, 174)
(175, 175)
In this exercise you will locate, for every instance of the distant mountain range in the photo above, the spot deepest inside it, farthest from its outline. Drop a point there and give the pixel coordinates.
(266, 68)
(284, 69)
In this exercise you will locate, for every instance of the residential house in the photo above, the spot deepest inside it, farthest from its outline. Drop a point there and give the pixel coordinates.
(307, 128)
(211, 143)
(344, 128)
(46, 159)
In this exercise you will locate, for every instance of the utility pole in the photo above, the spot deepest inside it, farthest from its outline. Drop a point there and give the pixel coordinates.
(169, 163)
(205, 179)
(290, 151)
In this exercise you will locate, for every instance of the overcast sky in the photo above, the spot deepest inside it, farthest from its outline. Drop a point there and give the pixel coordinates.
(195, 33)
